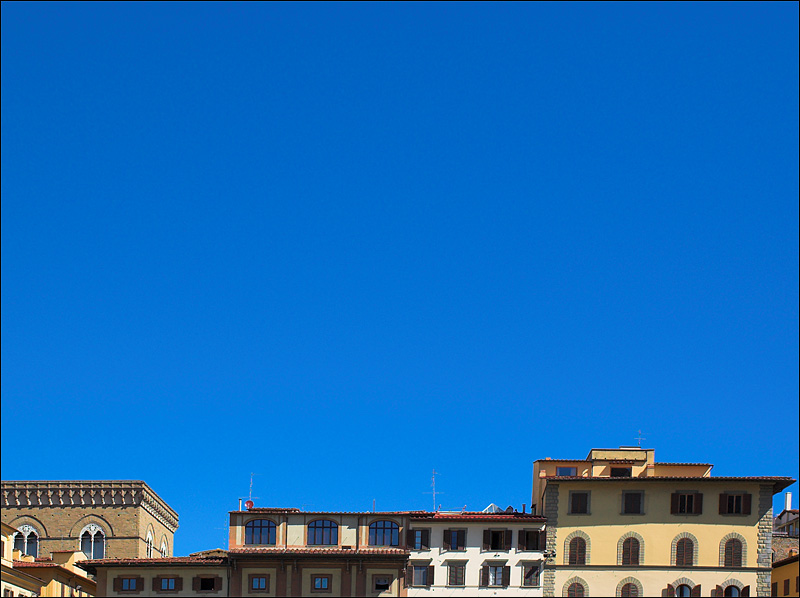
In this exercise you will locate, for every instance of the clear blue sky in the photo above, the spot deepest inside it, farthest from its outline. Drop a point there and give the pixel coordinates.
(339, 245)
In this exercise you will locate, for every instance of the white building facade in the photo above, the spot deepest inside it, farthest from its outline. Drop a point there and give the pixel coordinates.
(475, 554)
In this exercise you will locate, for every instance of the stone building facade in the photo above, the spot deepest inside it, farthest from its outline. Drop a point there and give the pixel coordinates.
(104, 519)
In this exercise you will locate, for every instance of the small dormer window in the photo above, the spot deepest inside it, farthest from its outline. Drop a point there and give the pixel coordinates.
(567, 471)
(621, 472)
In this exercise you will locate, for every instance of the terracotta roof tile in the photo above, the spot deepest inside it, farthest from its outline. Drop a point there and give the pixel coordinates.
(319, 551)
(175, 560)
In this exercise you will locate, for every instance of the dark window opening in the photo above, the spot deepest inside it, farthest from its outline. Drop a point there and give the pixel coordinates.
(497, 540)
(382, 583)
(621, 472)
(579, 503)
(632, 503)
(206, 584)
(567, 471)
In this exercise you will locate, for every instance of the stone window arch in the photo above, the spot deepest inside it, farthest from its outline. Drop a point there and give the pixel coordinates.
(732, 587)
(93, 541)
(26, 540)
(568, 545)
(384, 533)
(679, 584)
(149, 544)
(725, 543)
(621, 546)
(575, 586)
(630, 586)
(684, 545)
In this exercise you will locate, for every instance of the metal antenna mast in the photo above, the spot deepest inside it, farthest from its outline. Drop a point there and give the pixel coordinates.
(639, 439)
(433, 489)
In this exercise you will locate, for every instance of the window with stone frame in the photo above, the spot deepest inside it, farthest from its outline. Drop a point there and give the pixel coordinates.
(735, 503)
(579, 503)
(456, 573)
(686, 503)
(530, 574)
(633, 502)
(26, 540)
(454, 539)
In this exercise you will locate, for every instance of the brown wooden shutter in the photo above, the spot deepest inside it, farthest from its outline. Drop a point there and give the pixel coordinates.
(484, 582)
(675, 504)
(487, 539)
(179, 584)
(117, 584)
(217, 583)
(626, 552)
(506, 576)
(409, 576)
(696, 590)
(522, 540)
(446, 539)
(462, 539)
(195, 583)
(698, 503)
(156, 583)
(747, 503)
(680, 553)
(507, 537)
(542, 540)
(669, 591)
(723, 504)
(426, 538)
(430, 575)
(410, 538)
(745, 591)
(718, 591)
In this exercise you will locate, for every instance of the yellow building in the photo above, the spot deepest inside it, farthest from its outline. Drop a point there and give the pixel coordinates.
(24, 575)
(621, 524)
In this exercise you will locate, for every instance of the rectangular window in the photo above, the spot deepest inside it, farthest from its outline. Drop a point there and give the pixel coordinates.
(686, 503)
(496, 575)
(259, 583)
(381, 583)
(321, 583)
(530, 575)
(529, 540)
(455, 539)
(206, 584)
(128, 584)
(579, 503)
(621, 472)
(567, 471)
(735, 503)
(632, 503)
(785, 587)
(455, 574)
(421, 539)
(497, 539)
(421, 575)
(167, 584)
(774, 588)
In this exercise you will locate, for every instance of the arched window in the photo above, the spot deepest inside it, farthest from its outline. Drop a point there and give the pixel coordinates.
(577, 552)
(323, 532)
(26, 540)
(384, 533)
(575, 589)
(630, 552)
(733, 553)
(259, 531)
(683, 590)
(629, 589)
(164, 548)
(732, 591)
(684, 553)
(149, 545)
(93, 541)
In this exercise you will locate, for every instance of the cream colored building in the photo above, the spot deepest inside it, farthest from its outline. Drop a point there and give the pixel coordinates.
(13, 581)
(621, 524)
(475, 554)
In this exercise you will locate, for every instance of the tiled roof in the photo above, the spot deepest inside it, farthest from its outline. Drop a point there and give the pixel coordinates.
(376, 551)
(36, 565)
(676, 463)
(478, 516)
(293, 511)
(780, 482)
(175, 560)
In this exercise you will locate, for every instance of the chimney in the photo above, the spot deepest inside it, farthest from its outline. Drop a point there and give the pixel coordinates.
(523, 507)
(788, 504)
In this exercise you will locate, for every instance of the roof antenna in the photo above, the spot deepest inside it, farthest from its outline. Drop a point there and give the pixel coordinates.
(639, 439)
(250, 497)
(433, 490)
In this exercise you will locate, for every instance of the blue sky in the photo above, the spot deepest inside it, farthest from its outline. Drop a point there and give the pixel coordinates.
(340, 245)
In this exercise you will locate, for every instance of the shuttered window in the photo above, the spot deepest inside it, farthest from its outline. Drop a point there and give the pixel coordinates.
(455, 539)
(733, 553)
(579, 503)
(735, 503)
(632, 503)
(686, 503)
(684, 553)
(630, 551)
(577, 551)
(455, 574)
(530, 574)
(575, 590)
(629, 589)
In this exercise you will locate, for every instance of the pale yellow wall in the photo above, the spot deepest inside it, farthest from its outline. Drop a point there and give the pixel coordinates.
(604, 583)
(394, 589)
(273, 580)
(336, 580)
(292, 528)
(693, 471)
(187, 573)
(657, 526)
(790, 572)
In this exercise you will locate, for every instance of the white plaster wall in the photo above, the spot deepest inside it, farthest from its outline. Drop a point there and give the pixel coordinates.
(476, 558)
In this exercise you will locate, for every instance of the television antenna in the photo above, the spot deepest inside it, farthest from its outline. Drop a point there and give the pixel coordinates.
(433, 490)
(639, 439)
(250, 496)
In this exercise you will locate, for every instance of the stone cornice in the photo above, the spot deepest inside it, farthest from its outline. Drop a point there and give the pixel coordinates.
(26, 494)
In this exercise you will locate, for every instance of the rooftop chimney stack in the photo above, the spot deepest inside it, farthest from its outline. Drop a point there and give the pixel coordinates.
(788, 504)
